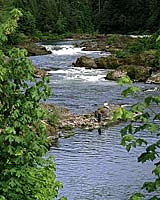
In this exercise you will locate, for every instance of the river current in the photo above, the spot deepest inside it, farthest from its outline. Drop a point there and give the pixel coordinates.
(91, 166)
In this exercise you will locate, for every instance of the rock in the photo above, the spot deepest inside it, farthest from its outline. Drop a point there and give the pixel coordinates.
(85, 61)
(115, 75)
(150, 59)
(34, 49)
(38, 73)
(154, 78)
(89, 121)
(135, 72)
(109, 62)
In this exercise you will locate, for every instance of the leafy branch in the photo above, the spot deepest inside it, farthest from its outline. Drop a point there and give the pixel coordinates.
(25, 171)
(143, 116)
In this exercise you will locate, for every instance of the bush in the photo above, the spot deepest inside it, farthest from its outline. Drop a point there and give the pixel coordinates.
(25, 171)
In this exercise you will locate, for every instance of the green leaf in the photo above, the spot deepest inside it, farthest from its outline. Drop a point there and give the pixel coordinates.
(2, 197)
(156, 99)
(63, 198)
(128, 147)
(141, 141)
(136, 196)
(146, 156)
(125, 80)
(139, 107)
(130, 91)
(117, 114)
(149, 186)
(158, 38)
(148, 100)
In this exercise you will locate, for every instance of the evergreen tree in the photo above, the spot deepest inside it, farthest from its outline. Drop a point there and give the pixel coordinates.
(27, 24)
(5, 8)
(47, 16)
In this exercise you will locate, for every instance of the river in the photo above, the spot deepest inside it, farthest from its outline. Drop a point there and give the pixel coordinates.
(91, 166)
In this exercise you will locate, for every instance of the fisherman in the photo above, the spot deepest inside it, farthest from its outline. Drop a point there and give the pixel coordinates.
(98, 116)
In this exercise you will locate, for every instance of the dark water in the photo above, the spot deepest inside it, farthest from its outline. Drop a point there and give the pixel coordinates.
(91, 166)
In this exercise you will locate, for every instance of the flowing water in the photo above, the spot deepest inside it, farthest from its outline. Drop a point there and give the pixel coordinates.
(91, 166)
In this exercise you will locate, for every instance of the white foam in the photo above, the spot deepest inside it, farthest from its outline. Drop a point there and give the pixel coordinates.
(81, 74)
(86, 78)
(63, 49)
(139, 36)
(71, 50)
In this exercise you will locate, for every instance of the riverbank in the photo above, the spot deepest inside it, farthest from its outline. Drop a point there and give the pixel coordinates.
(136, 57)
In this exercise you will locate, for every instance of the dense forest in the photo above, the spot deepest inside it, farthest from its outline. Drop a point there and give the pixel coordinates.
(26, 172)
(85, 16)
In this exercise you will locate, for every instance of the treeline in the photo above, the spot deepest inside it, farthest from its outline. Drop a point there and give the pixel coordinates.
(85, 16)
(127, 16)
(56, 16)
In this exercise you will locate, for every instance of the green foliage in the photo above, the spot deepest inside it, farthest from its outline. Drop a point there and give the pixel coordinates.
(130, 91)
(145, 43)
(121, 54)
(137, 196)
(142, 117)
(10, 26)
(52, 117)
(112, 39)
(125, 80)
(5, 7)
(126, 16)
(87, 16)
(27, 23)
(25, 174)
(137, 46)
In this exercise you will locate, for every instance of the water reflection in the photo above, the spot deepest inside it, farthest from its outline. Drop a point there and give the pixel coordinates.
(99, 131)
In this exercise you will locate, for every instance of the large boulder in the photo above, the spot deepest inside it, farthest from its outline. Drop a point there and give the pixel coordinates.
(109, 62)
(135, 72)
(115, 75)
(33, 49)
(85, 61)
(113, 62)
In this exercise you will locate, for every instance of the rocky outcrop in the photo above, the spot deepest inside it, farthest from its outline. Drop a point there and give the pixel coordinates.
(38, 73)
(88, 121)
(135, 72)
(115, 75)
(67, 121)
(110, 62)
(109, 42)
(85, 61)
(33, 49)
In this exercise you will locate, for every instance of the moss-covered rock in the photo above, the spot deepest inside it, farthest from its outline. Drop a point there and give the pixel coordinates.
(85, 61)
(110, 62)
(135, 72)
(33, 49)
(150, 58)
(115, 75)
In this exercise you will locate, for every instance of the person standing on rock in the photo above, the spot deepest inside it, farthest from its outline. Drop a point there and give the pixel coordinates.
(98, 116)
